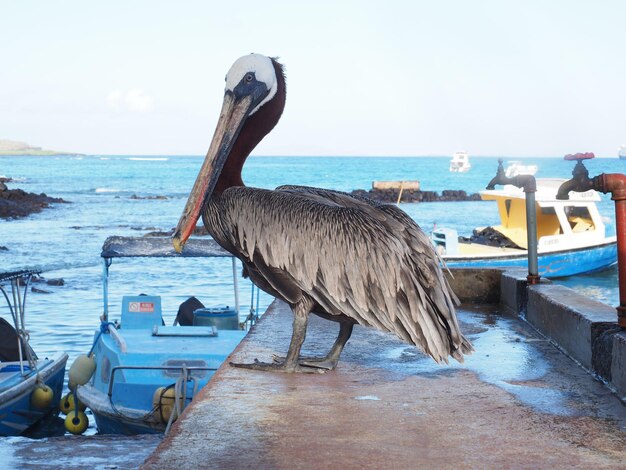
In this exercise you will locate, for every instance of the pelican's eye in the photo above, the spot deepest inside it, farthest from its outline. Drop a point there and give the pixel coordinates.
(249, 77)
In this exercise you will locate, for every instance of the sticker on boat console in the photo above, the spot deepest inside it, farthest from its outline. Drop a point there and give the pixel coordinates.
(141, 307)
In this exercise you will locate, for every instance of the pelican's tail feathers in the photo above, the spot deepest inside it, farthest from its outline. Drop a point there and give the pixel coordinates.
(464, 349)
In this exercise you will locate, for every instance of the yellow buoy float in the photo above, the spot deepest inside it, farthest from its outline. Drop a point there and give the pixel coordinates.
(68, 402)
(76, 422)
(163, 401)
(81, 370)
(42, 396)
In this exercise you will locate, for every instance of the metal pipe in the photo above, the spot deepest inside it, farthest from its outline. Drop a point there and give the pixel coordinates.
(181, 368)
(105, 288)
(15, 287)
(531, 233)
(614, 183)
(529, 185)
(236, 285)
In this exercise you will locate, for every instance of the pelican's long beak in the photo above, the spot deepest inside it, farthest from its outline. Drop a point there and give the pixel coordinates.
(235, 110)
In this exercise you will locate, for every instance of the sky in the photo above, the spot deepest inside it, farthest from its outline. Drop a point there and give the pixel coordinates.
(384, 78)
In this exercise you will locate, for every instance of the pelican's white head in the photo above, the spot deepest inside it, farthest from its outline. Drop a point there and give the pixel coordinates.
(250, 67)
(253, 81)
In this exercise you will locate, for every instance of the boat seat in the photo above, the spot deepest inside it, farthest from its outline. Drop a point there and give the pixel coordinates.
(580, 224)
(141, 311)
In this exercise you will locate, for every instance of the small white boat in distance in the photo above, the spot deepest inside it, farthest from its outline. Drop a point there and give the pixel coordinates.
(515, 168)
(621, 151)
(460, 163)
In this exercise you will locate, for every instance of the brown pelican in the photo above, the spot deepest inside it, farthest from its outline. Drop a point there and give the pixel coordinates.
(346, 259)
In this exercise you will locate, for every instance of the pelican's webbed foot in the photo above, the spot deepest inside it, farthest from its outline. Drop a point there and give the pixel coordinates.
(328, 362)
(281, 366)
(291, 363)
(324, 363)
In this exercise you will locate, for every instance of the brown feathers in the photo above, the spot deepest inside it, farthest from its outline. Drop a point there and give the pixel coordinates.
(351, 256)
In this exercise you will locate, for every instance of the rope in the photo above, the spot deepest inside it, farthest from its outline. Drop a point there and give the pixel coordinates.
(180, 399)
(253, 316)
(176, 408)
(104, 329)
(258, 294)
(139, 419)
(104, 326)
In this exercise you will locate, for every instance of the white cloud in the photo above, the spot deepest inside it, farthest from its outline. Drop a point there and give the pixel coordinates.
(114, 100)
(135, 100)
(138, 101)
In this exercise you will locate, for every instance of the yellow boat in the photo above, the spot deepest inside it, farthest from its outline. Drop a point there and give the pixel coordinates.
(571, 235)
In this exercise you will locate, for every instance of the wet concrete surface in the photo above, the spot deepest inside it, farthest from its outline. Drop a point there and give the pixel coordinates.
(77, 452)
(517, 402)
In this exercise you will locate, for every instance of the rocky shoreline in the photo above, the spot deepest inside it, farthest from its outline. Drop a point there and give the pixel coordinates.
(410, 195)
(381, 195)
(16, 203)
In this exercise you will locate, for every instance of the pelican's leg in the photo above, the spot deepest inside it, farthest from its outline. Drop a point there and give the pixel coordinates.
(328, 362)
(290, 364)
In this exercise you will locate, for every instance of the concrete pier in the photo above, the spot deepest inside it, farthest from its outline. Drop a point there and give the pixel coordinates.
(517, 402)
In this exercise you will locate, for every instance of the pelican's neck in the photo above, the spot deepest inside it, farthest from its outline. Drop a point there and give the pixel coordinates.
(231, 172)
(254, 129)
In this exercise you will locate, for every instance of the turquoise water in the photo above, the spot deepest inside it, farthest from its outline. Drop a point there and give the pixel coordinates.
(65, 241)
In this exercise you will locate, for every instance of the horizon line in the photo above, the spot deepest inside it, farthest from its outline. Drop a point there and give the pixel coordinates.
(175, 155)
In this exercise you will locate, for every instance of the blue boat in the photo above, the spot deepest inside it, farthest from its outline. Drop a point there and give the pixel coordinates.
(146, 373)
(571, 235)
(30, 388)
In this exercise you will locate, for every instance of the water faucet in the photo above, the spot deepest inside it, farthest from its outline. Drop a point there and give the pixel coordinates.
(529, 185)
(614, 183)
(526, 182)
(580, 181)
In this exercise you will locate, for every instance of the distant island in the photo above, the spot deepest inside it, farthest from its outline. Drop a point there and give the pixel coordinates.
(12, 147)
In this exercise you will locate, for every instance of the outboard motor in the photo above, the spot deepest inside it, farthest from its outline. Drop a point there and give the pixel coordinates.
(184, 317)
(9, 351)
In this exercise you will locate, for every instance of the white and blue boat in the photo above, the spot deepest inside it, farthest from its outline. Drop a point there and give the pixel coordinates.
(146, 372)
(460, 163)
(30, 387)
(571, 235)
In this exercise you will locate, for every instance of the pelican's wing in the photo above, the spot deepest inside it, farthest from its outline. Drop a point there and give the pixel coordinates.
(353, 257)
(417, 239)
(392, 210)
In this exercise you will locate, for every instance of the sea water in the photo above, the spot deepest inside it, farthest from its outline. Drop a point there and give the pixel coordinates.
(131, 195)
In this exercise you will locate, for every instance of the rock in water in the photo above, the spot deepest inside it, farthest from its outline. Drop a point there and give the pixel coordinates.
(15, 203)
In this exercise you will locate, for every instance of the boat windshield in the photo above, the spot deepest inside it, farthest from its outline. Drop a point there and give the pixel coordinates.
(579, 218)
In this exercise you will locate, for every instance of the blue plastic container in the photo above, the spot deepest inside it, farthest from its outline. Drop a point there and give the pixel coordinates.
(221, 317)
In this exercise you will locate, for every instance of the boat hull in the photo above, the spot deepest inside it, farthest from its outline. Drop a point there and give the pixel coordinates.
(17, 415)
(122, 402)
(553, 264)
(118, 420)
(115, 425)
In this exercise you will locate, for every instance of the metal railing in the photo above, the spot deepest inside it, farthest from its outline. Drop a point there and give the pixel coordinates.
(184, 370)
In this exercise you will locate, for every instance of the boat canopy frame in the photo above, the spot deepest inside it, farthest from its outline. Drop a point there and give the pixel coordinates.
(161, 247)
(17, 307)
